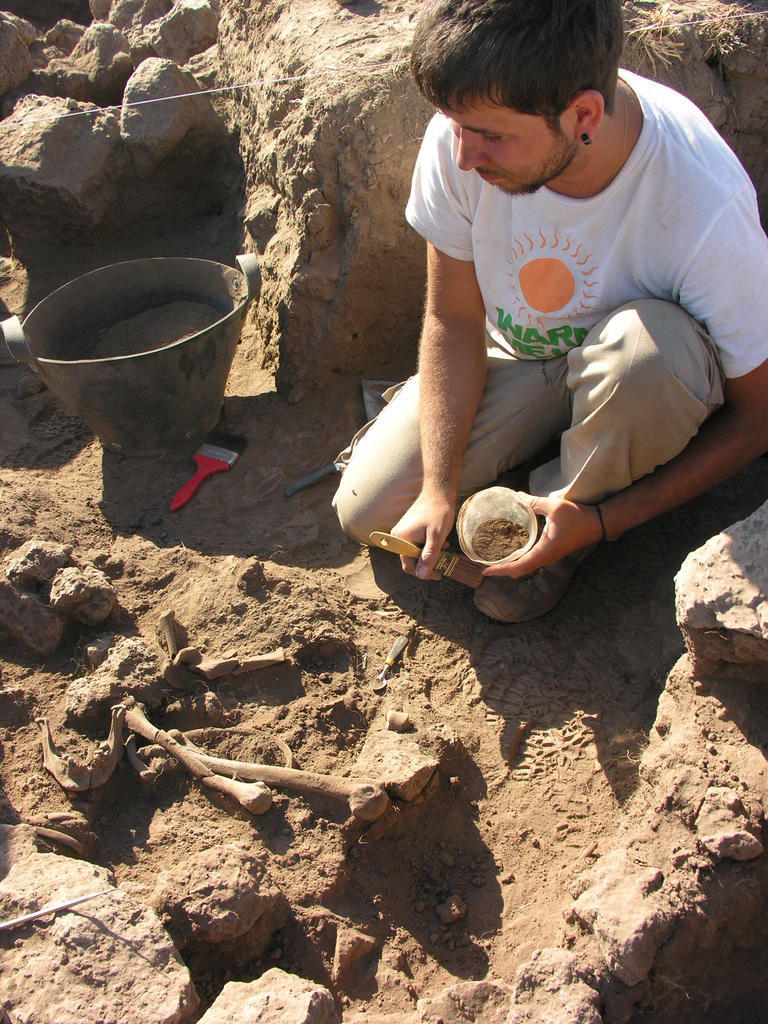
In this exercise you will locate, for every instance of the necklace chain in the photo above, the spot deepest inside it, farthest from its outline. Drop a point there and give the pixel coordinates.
(624, 140)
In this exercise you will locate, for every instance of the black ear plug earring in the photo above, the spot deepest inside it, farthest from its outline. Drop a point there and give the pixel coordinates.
(586, 139)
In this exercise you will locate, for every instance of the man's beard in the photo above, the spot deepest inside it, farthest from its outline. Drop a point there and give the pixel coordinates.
(558, 162)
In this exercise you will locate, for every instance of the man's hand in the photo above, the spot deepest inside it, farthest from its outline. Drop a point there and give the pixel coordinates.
(426, 523)
(452, 368)
(569, 526)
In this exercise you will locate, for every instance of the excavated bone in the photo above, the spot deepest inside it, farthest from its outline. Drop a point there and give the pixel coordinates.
(257, 661)
(168, 626)
(214, 668)
(191, 735)
(367, 800)
(146, 772)
(77, 778)
(63, 838)
(255, 798)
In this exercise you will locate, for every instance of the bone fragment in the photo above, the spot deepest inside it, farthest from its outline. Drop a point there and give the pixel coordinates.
(205, 734)
(168, 625)
(257, 661)
(214, 668)
(62, 838)
(179, 677)
(145, 772)
(514, 745)
(367, 800)
(255, 798)
(77, 778)
(187, 656)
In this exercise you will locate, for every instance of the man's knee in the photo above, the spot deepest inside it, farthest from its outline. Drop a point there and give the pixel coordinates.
(646, 341)
(362, 509)
(349, 509)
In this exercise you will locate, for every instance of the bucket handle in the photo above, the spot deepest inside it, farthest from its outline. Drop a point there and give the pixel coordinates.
(248, 263)
(16, 340)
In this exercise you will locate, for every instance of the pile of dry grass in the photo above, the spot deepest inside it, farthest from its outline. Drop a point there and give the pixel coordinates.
(658, 32)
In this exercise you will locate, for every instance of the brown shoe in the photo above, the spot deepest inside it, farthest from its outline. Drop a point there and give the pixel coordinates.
(507, 600)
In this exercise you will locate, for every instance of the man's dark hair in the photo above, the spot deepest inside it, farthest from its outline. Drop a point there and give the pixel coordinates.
(530, 55)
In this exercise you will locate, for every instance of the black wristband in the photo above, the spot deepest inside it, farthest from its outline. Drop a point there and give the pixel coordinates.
(602, 521)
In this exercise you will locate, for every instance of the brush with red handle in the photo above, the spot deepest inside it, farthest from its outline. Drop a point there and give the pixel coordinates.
(217, 454)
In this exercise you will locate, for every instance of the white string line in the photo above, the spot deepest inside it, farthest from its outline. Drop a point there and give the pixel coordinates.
(328, 73)
(660, 26)
(655, 26)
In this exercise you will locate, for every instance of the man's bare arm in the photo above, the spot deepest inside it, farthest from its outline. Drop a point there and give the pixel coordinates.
(730, 439)
(452, 370)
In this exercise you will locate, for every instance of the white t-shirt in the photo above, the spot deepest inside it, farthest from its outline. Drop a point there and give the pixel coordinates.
(679, 222)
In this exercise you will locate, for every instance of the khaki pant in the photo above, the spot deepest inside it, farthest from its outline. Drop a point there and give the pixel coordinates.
(627, 400)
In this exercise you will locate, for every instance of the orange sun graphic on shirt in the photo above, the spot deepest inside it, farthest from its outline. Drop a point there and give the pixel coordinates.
(551, 275)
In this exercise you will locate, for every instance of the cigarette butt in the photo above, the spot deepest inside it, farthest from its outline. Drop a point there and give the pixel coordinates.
(398, 721)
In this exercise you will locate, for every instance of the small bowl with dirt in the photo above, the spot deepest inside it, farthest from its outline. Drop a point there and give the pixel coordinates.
(494, 526)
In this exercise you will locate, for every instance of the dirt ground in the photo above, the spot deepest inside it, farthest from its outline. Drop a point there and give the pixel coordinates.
(587, 676)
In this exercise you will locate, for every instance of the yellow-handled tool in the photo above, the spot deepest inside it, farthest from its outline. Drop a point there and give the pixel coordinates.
(395, 651)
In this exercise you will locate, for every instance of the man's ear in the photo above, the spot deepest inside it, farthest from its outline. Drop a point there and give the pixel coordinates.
(583, 115)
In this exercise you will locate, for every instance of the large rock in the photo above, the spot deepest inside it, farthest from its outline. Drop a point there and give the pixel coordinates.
(397, 761)
(555, 987)
(109, 959)
(153, 130)
(17, 842)
(224, 898)
(58, 172)
(30, 622)
(36, 562)
(85, 593)
(624, 911)
(15, 59)
(724, 827)
(721, 598)
(25, 28)
(95, 71)
(64, 36)
(275, 998)
(133, 18)
(352, 948)
(187, 29)
(467, 1002)
(130, 669)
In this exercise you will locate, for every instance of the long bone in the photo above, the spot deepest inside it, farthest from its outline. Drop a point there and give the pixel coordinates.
(77, 778)
(254, 796)
(367, 800)
(148, 773)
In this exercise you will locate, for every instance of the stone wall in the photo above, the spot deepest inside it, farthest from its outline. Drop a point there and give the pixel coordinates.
(328, 159)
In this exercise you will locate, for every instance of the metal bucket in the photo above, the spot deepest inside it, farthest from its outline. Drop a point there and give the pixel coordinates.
(164, 399)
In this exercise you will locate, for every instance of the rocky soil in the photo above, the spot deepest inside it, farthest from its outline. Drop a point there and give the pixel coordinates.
(572, 822)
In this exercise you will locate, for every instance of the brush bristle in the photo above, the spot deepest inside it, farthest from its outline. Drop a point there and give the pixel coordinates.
(460, 568)
(225, 447)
